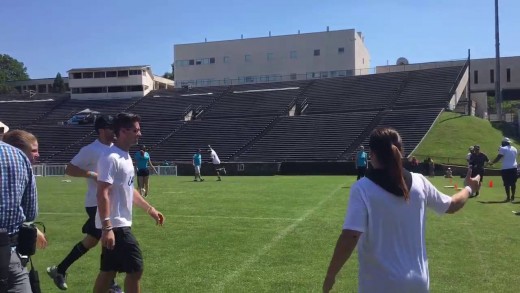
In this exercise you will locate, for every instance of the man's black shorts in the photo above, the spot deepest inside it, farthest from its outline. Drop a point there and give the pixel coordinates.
(89, 227)
(509, 176)
(125, 257)
(143, 172)
(478, 171)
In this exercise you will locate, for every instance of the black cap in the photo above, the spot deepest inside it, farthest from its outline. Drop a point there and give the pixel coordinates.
(104, 121)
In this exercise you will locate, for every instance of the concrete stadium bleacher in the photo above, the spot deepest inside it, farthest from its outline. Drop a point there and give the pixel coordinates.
(251, 122)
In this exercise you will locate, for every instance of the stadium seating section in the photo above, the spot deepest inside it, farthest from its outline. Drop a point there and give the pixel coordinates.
(311, 120)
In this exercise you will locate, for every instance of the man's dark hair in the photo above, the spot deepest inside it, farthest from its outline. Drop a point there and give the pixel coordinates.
(125, 120)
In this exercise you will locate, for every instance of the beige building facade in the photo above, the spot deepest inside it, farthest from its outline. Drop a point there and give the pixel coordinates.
(273, 58)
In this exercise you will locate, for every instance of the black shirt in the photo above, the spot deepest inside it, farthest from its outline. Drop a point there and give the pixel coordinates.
(477, 161)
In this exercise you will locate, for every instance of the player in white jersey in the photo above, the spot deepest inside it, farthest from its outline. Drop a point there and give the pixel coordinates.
(116, 196)
(84, 164)
(216, 162)
(509, 167)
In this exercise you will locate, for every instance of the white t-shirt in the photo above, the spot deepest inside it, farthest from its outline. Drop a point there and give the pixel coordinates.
(392, 250)
(214, 157)
(509, 152)
(116, 167)
(87, 159)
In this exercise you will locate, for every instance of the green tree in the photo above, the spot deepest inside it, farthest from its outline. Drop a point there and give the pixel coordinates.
(58, 86)
(10, 70)
(168, 75)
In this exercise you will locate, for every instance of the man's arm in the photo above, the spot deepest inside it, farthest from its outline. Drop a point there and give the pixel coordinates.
(75, 171)
(150, 210)
(498, 158)
(29, 201)
(151, 165)
(103, 201)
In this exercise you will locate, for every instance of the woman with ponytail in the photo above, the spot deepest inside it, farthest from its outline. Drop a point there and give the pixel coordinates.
(386, 214)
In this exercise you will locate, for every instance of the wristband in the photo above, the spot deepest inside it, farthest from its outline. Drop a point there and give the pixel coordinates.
(469, 190)
(107, 228)
(91, 174)
(106, 219)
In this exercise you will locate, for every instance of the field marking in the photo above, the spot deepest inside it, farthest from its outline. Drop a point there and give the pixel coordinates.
(262, 251)
(186, 216)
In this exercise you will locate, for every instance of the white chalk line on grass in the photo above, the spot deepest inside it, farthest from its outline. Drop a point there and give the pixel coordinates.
(262, 251)
(187, 216)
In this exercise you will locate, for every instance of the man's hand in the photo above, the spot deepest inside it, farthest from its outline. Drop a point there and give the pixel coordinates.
(157, 216)
(41, 240)
(108, 239)
(328, 283)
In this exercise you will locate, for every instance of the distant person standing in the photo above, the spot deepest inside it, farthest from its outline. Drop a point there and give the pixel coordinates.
(197, 162)
(477, 162)
(509, 167)
(468, 156)
(216, 163)
(142, 159)
(361, 162)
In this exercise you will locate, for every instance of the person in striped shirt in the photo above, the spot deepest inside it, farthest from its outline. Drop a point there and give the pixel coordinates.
(19, 203)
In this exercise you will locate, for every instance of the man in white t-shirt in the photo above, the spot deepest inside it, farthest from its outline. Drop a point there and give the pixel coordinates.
(84, 164)
(468, 156)
(116, 196)
(216, 163)
(509, 167)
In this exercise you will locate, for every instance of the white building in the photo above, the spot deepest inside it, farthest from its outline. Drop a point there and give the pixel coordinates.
(481, 78)
(40, 86)
(273, 58)
(114, 82)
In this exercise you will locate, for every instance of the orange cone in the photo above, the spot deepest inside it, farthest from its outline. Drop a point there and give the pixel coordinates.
(490, 183)
(455, 186)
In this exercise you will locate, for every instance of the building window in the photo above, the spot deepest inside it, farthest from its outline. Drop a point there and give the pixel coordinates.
(270, 56)
(99, 74)
(122, 73)
(475, 77)
(42, 88)
(317, 52)
(212, 60)
(226, 59)
(341, 50)
(191, 61)
(492, 76)
(88, 75)
(75, 90)
(76, 75)
(116, 89)
(293, 55)
(363, 60)
(135, 88)
(508, 75)
(135, 72)
(247, 58)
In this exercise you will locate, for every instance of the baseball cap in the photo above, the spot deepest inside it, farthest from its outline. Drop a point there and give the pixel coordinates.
(476, 147)
(507, 140)
(104, 121)
(471, 148)
(3, 128)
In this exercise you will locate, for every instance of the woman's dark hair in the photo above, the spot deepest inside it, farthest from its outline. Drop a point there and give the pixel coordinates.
(386, 144)
(125, 120)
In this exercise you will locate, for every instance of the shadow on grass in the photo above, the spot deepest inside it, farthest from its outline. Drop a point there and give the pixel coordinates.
(457, 117)
(492, 201)
(346, 187)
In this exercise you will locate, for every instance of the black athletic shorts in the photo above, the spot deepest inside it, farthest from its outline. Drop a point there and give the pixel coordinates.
(126, 257)
(143, 172)
(478, 171)
(509, 176)
(89, 227)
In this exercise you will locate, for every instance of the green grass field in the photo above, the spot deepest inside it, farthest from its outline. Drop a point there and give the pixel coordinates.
(275, 234)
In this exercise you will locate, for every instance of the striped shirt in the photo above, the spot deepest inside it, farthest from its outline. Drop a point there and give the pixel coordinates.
(18, 196)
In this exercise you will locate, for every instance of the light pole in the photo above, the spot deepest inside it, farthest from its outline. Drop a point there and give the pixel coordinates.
(498, 94)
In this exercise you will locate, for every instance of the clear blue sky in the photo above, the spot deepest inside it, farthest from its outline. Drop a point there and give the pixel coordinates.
(52, 36)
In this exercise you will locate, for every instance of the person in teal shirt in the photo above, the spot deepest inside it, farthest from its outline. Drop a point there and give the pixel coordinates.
(197, 161)
(142, 159)
(361, 162)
